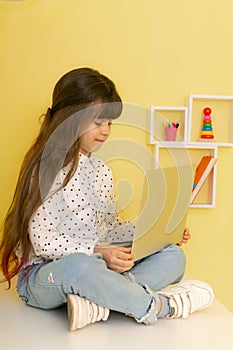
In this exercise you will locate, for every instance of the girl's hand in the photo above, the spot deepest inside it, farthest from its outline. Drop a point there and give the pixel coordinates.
(186, 237)
(118, 259)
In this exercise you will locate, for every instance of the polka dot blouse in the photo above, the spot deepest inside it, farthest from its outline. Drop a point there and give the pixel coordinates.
(79, 216)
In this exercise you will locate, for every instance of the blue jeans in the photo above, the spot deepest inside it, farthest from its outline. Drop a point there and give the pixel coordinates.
(48, 283)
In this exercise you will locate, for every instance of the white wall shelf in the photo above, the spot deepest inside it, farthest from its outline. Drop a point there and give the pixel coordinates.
(161, 116)
(170, 156)
(187, 147)
(222, 119)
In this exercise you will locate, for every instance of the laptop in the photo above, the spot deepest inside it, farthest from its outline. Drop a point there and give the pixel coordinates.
(163, 209)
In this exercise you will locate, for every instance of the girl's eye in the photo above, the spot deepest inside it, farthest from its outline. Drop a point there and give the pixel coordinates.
(100, 123)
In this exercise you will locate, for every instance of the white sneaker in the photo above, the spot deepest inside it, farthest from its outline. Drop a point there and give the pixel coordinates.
(82, 312)
(187, 297)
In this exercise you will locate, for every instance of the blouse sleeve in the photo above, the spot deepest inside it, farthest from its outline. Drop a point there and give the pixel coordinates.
(64, 223)
(50, 242)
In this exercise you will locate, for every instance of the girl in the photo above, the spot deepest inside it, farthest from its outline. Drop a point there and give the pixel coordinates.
(63, 210)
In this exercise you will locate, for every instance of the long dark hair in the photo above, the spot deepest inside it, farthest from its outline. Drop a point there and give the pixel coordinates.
(80, 94)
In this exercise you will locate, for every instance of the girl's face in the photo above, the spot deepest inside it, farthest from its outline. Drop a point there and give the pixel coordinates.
(97, 133)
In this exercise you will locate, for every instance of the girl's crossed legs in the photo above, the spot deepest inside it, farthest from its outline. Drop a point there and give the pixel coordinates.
(88, 276)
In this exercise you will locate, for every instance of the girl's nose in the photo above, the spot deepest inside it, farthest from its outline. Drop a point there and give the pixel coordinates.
(105, 129)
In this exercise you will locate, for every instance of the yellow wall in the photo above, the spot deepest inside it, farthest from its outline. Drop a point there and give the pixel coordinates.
(157, 52)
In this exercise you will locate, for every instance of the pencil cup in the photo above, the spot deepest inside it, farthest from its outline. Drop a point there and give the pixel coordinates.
(170, 133)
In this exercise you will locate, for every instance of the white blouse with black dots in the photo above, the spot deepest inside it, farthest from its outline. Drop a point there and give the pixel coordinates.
(79, 216)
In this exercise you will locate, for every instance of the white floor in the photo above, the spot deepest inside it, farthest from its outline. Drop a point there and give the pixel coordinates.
(23, 327)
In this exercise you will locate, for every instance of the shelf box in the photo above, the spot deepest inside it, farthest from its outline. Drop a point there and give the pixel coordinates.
(191, 154)
(188, 146)
(222, 119)
(160, 117)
